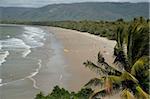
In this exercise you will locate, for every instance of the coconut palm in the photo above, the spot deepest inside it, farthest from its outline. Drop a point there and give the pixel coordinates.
(130, 76)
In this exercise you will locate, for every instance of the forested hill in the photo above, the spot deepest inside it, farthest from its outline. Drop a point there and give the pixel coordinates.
(77, 11)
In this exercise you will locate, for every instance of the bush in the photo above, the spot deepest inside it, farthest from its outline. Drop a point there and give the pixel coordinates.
(61, 93)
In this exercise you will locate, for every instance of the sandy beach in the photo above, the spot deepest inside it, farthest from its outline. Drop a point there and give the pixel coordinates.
(60, 62)
(77, 48)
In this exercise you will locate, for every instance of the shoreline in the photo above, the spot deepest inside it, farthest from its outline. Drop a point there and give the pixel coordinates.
(77, 48)
(62, 58)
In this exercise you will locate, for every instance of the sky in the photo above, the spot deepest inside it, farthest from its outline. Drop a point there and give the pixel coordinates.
(39, 3)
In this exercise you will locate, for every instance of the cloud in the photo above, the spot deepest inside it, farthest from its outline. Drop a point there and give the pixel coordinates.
(38, 3)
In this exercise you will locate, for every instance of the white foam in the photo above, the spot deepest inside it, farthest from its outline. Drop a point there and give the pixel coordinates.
(26, 52)
(8, 36)
(0, 82)
(15, 44)
(34, 74)
(37, 70)
(34, 36)
(3, 56)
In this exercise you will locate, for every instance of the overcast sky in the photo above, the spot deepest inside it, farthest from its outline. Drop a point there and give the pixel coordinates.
(39, 3)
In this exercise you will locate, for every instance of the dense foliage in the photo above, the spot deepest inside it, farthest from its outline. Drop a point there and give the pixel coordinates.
(130, 76)
(61, 93)
(99, 28)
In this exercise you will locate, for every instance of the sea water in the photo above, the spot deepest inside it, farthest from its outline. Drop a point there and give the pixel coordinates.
(16, 60)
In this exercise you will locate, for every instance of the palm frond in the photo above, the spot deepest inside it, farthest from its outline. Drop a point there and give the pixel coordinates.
(121, 59)
(140, 65)
(106, 66)
(95, 82)
(101, 61)
(100, 93)
(120, 37)
(112, 84)
(102, 70)
(126, 94)
(127, 76)
(103, 93)
(113, 71)
(119, 49)
(95, 68)
(141, 94)
(115, 79)
(138, 42)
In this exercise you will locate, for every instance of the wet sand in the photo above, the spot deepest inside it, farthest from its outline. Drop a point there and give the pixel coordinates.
(62, 59)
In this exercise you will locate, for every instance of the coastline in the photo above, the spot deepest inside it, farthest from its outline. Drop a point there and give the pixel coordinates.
(61, 62)
(77, 48)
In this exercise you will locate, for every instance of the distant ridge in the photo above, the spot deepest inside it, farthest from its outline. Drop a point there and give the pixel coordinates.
(77, 11)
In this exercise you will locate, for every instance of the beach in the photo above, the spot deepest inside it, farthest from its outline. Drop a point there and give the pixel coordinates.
(78, 47)
(58, 61)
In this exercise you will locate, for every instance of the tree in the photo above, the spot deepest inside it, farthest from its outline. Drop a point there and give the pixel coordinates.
(61, 93)
(130, 76)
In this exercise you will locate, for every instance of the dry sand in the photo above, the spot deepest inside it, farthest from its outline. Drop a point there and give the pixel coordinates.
(79, 47)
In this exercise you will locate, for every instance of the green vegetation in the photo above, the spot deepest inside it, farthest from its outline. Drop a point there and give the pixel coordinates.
(130, 76)
(99, 28)
(61, 93)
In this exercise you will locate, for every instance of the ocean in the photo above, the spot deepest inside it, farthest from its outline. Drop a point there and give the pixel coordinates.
(19, 62)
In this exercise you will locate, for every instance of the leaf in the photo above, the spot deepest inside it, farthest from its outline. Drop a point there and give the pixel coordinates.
(95, 82)
(140, 65)
(95, 68)
(126, 94)
(115, 79)
(120, 37)
(138, 42)
(112, 84)
(127, 76)
(141, 94)
(102, 93)
(101, 61)
(100, 70)
(97, 95)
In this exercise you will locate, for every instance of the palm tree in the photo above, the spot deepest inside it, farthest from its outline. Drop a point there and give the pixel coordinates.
(130, 76)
